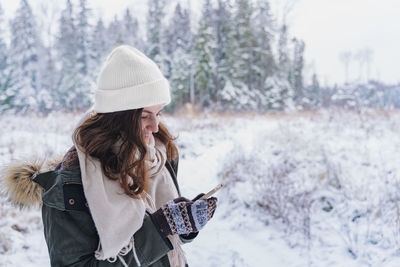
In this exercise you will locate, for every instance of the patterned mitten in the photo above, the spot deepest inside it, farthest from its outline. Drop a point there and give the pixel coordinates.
(183, 216)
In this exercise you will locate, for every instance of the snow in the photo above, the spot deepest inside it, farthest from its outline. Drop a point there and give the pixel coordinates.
(302, 189)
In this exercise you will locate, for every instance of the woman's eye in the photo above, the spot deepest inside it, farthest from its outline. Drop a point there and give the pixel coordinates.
(145, 117)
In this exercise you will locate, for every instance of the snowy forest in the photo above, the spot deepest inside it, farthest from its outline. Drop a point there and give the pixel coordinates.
(236, 57)
(311, 169)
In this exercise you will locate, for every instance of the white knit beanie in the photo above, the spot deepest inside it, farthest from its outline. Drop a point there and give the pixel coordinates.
(129, 80)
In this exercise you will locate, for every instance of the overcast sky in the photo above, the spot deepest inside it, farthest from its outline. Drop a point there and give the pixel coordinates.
(328, 27)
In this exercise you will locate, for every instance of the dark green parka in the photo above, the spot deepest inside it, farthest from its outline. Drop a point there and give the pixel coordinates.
(69, 229)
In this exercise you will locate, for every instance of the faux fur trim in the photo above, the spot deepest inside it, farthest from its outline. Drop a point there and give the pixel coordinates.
(17, 185)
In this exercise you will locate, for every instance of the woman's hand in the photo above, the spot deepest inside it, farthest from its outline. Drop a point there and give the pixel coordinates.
(184, 216)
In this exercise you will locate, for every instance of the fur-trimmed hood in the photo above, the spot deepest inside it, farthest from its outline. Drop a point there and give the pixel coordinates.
(17, 184)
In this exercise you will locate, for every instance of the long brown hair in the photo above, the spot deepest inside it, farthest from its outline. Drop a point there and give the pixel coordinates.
(99, 134)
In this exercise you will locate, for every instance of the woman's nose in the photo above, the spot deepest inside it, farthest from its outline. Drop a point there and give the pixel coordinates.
(153, 124)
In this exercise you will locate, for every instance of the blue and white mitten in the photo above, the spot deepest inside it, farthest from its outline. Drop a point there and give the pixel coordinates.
(183, 216)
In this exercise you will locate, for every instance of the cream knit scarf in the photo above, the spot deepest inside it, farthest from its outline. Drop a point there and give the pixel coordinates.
(117, 216)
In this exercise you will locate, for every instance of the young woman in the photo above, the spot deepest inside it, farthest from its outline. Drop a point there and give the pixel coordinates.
(114, 199)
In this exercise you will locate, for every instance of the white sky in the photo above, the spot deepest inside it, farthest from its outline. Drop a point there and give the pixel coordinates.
(328, 27)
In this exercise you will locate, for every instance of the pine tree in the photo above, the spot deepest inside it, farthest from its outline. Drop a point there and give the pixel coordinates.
(180, 77)
(278, 87)
(313, 93)
(6, 95)
(83, 79)
(223, 27)
(178, 45)
(115, 33)
(131, 30)
(176, 35)
(179, 33)
(67, 48)
(283, 53)
(83, 29)
(154, 32)
(205, 44)
(298, 65)
(98, 46)
(231, 89)
(23, 59)
(263, 25)
(240, 90)
(48, 69)
(3, 49)
(242, 72)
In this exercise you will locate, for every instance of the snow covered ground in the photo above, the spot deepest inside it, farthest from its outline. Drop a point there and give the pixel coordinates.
(302, 189)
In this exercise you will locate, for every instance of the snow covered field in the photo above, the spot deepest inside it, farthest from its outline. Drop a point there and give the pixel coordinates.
(302, 189)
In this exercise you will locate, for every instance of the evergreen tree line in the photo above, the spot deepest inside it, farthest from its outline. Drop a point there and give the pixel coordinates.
(236, 57)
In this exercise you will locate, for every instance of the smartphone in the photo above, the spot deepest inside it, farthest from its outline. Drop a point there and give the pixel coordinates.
(209, 194)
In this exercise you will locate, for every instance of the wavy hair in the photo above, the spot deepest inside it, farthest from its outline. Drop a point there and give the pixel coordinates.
(116, 140)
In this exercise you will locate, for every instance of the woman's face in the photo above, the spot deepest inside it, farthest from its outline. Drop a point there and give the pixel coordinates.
(149, 120)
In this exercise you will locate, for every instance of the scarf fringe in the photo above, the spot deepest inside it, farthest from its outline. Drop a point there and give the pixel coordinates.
(124, 251)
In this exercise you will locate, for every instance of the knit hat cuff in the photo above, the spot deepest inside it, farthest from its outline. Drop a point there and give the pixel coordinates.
(144, 95)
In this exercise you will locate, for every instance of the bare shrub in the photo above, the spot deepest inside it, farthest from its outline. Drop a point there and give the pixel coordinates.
(282, 198)
(275, 193)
